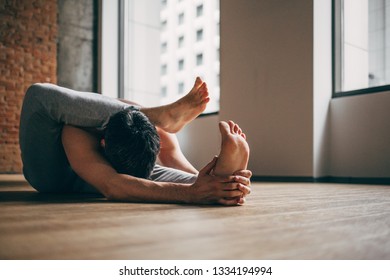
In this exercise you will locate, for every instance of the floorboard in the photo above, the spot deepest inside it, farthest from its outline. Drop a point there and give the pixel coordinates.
(279, 221)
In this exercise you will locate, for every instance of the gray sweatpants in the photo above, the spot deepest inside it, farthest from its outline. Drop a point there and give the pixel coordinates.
(46, 108)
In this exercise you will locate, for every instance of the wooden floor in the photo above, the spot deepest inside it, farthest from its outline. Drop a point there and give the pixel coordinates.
(280, 221)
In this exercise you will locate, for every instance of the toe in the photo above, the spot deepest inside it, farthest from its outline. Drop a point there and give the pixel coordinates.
(203, 88)
(231, 125)
(235, 128)
(198, 83)
(224, 128)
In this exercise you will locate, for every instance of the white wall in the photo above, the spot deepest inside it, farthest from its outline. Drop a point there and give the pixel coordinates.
(200, 140)
(267, 81)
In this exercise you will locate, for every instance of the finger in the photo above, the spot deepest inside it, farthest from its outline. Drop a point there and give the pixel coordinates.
(241, 201)
(224, 178)
(231, 186)
(243, 180)
(245, 190)
(209, 167)
(229, 202)
(244, 173)
(239, 189)
(231, 194)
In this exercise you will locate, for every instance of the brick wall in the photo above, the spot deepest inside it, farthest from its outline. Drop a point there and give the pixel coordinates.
(28, 54)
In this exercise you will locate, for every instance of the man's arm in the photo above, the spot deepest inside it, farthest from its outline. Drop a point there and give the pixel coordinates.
(83, 152)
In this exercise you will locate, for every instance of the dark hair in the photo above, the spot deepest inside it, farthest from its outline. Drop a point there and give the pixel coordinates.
(131, 143)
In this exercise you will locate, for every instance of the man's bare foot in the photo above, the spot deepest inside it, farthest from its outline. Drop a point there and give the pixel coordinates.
(234, 153)
(173, 117)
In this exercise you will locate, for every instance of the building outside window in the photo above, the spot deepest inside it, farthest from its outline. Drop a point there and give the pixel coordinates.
(361, 46)
(161, 61)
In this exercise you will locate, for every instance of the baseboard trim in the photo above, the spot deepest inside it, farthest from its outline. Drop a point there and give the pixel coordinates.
(327, 179)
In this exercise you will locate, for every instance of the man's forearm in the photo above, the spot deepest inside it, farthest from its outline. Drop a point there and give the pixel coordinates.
(127, 188)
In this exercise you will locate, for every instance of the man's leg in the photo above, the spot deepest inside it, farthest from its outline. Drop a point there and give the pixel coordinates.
(167, 174)
(83, 109)
(173, 117)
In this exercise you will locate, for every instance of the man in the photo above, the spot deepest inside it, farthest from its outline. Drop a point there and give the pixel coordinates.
(65, 144)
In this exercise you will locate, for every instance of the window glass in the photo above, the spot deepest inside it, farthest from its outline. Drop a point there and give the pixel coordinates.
(180, 64)
(199, 59)
(180, 88)
(362, 44)
(180, 20)
(180, 42)
(161, 61)
(199, 10)
(199, 35)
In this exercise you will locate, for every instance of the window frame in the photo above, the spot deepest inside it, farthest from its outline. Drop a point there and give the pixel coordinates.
(337, 53)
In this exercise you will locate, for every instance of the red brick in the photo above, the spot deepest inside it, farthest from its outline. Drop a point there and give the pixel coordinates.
(27, 44)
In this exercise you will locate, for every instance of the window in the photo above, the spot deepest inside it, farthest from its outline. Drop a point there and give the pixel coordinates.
(164, 24)
(180, 88)
(164, 47)
(180, 65)
(180, 19)
(164, 3)
(361, 46)
(199, 10)
(199, 35)
(180, 42)
(164, 91)
(161, 62)
(199, 59)
(164, 69)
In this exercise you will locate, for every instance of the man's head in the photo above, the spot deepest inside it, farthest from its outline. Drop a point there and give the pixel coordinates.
(131, 143)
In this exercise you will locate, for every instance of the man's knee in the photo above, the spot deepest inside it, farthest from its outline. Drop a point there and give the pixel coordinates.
(36, 91)
(36, 94)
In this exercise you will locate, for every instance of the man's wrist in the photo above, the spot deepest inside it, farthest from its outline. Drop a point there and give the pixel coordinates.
(190, 194)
